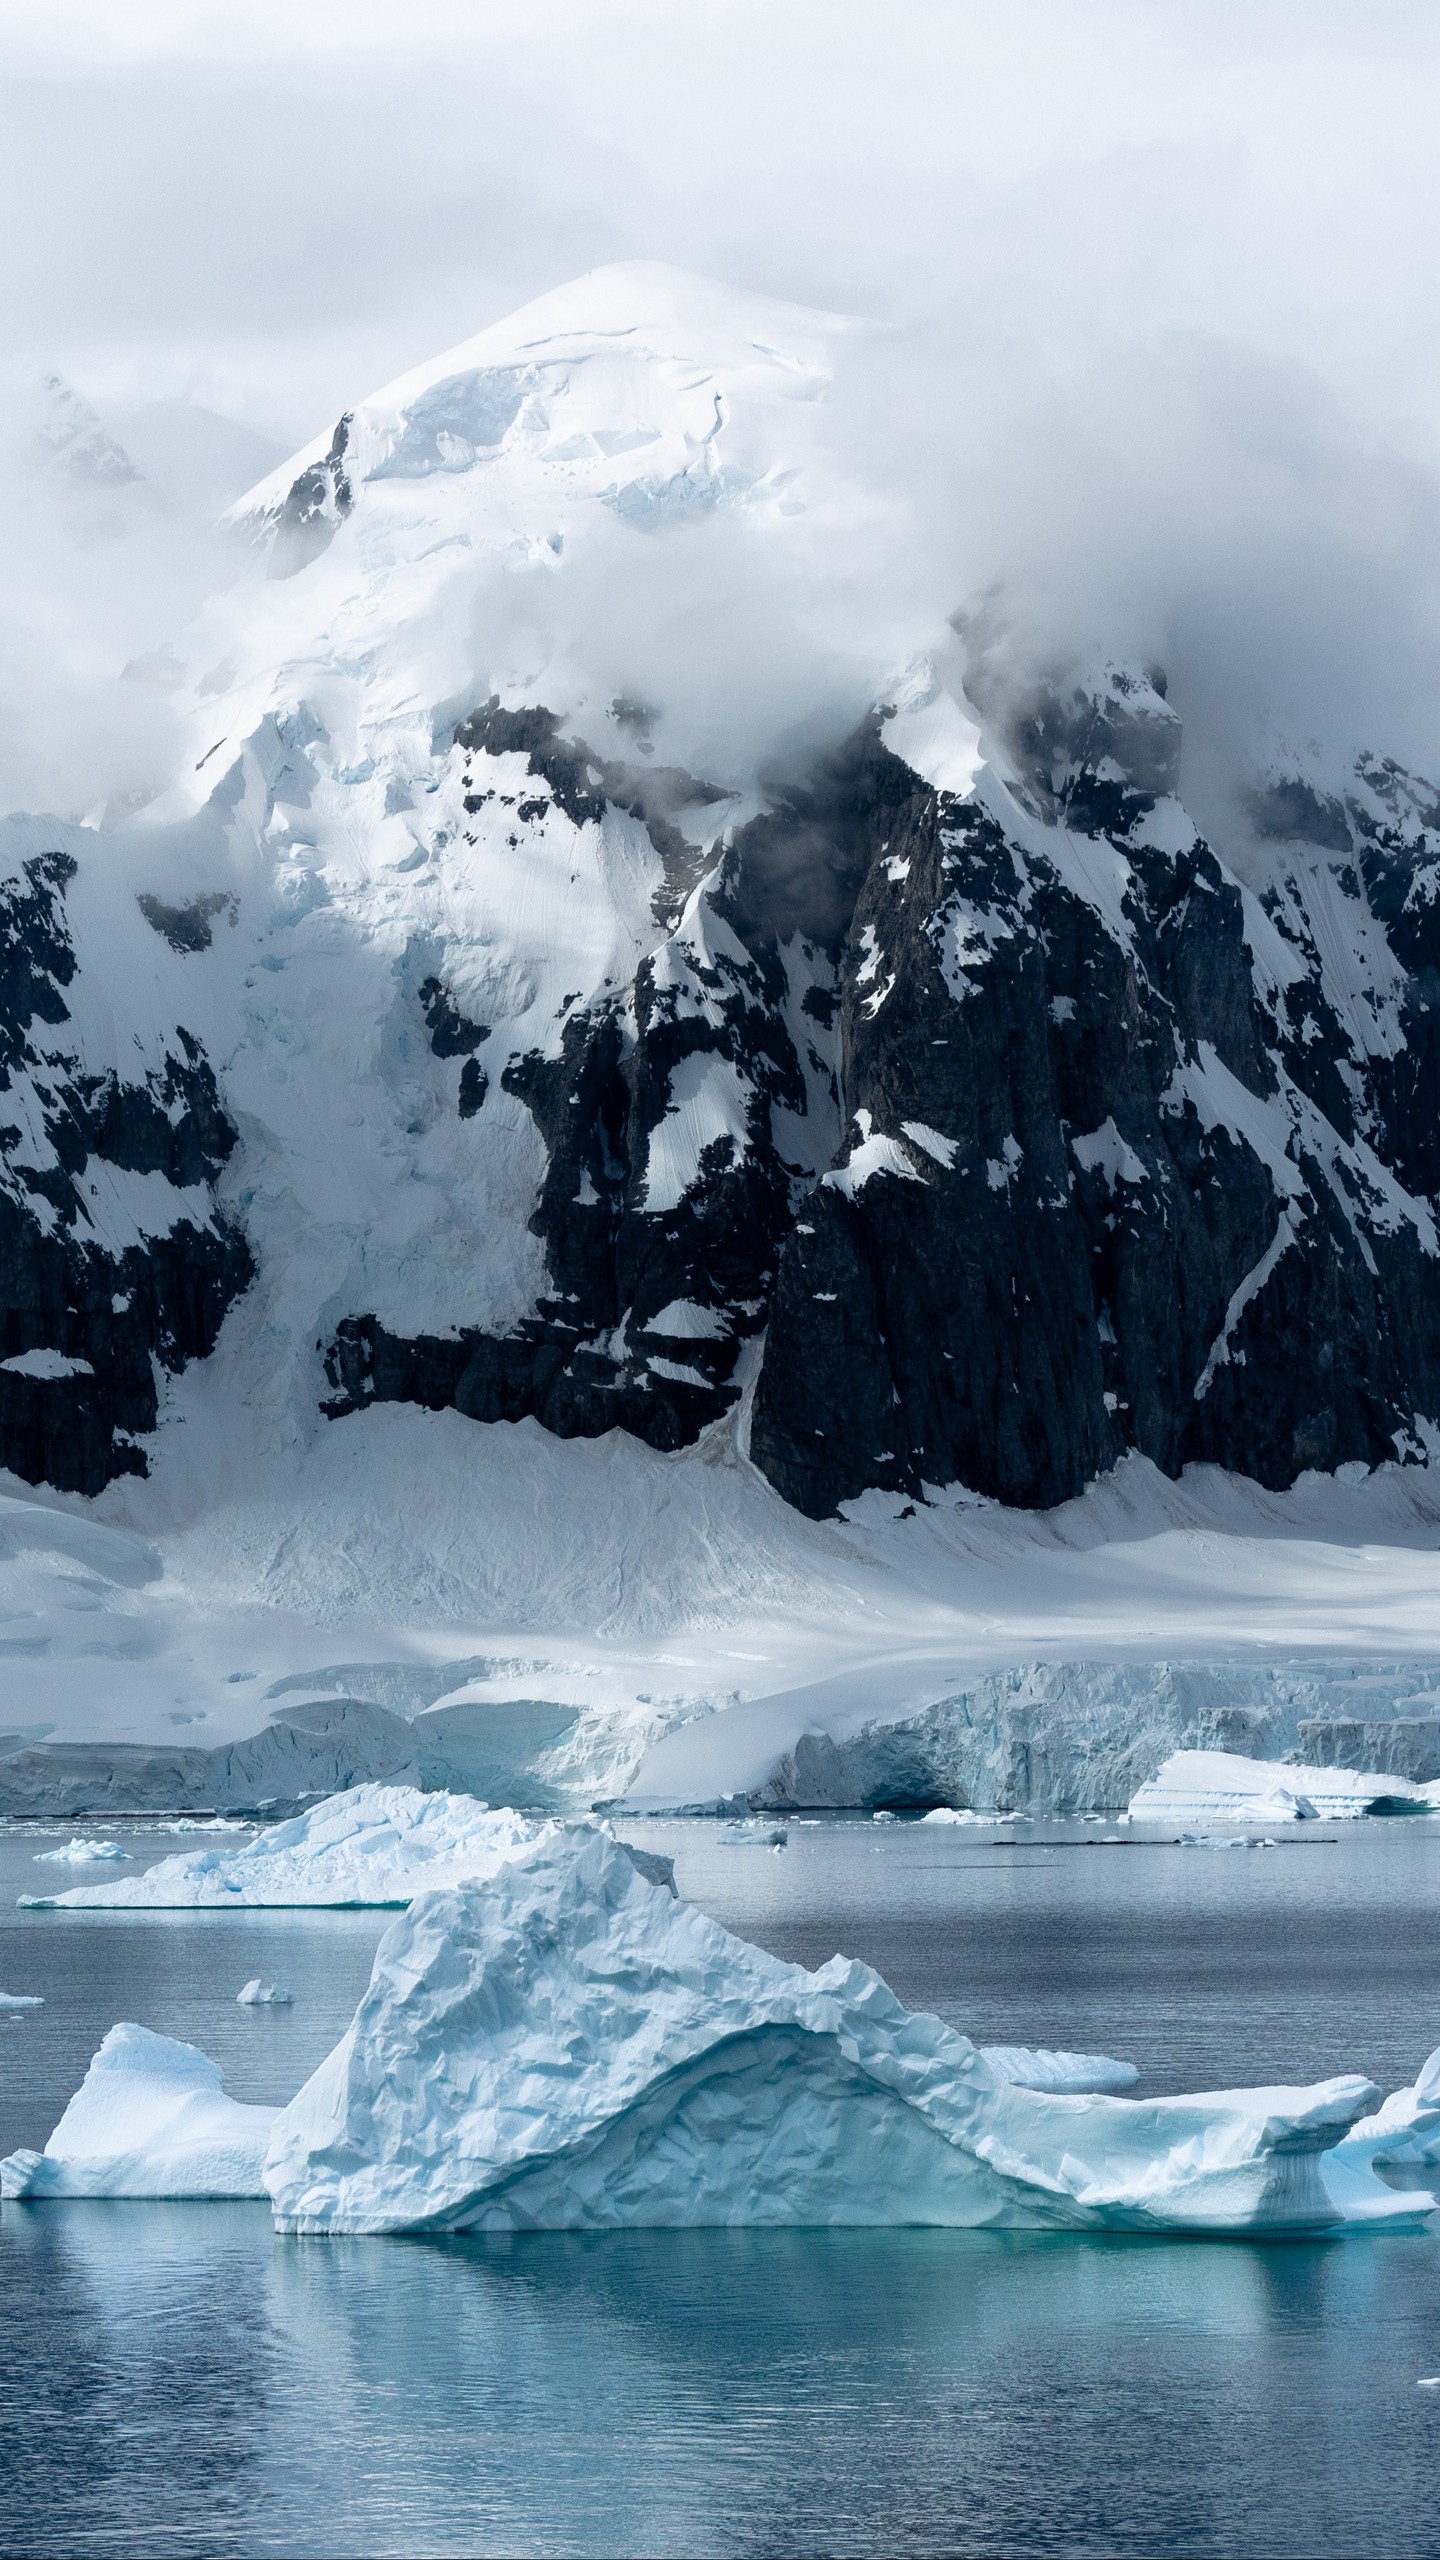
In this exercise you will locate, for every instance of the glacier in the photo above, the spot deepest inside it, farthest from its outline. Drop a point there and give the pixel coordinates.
(370, 1846)
(452, 1151)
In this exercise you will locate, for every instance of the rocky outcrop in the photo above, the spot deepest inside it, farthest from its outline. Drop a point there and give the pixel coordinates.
(1120, 1172)
(114, 1260)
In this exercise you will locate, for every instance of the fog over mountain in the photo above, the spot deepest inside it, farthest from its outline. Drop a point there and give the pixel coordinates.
(1149, 286)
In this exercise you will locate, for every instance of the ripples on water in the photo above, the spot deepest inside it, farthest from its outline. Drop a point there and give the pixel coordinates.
(177, 2380)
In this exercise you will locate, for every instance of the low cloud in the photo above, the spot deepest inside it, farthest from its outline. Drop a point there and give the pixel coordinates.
(1152, 357)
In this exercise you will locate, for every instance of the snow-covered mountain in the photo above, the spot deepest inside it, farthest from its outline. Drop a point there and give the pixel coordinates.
(452, 1031)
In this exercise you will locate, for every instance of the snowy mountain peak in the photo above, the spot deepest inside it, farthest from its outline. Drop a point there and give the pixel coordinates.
(648, 389)
(77, 439)
(465, 529)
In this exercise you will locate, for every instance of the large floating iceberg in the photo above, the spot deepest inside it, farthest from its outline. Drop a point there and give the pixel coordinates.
(567, 2048)
(564, 2045)
(150, 2118)
(1222, 1786)
(373, 1845)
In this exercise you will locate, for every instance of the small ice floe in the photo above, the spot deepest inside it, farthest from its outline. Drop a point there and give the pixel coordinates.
(206, 1822)
(80, 1853)
(959, 1813)
(755, 1835)
(884, 1815)
(1238, 1840)
(263, 1995)
(1428, 2382)
(22, 2000)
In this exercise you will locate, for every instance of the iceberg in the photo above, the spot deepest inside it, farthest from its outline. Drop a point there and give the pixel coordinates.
(22, 2000)
(80, 1853)
(1405, 2131)
(565, 2047)
(1223, 1786)
(372, 1845)
(1402, 2137)
(263, 1995)
(150, 2118)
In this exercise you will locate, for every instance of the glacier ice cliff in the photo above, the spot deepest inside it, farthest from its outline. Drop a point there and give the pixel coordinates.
(1057, 1738)
(566, 2047)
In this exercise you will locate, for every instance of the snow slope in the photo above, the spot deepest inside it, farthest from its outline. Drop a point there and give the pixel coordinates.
(478, 1606)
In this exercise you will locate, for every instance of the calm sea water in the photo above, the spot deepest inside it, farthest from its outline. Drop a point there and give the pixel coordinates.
(176, 2379)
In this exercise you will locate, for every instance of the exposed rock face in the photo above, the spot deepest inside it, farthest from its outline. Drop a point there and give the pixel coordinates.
(1111, 1152)
(669, 1187)
(1124, 1168)
(113, 1258)
(1007, 1125)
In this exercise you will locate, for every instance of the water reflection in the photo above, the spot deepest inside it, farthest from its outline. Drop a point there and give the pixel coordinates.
(766, 2392)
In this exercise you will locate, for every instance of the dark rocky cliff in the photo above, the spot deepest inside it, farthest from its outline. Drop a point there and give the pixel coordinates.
(1106, 1159)
(978, 1135)
(93, 1297)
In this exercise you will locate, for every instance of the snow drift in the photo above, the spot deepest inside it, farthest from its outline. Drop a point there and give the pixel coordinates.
(565, 2047)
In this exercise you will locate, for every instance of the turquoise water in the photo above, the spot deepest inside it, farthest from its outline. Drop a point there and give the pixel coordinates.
(176, 2379)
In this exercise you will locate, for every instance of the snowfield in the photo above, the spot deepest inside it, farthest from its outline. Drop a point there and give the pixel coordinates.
(424, 1600)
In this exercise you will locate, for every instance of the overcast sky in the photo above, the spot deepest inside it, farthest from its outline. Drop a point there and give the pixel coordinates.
(1166, 275)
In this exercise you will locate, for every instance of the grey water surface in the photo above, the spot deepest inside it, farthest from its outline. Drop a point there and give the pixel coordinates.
(176, 2379)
